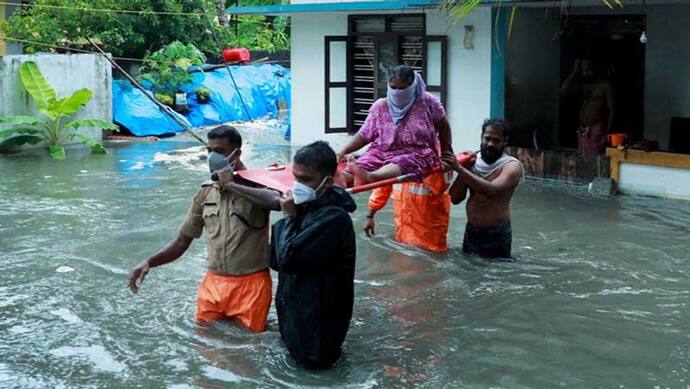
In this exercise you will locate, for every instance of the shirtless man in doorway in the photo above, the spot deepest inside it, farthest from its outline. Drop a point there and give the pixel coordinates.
(597, 109)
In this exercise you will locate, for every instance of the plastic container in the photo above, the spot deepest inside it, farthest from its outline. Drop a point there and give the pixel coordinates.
(616, 139)
(237, 55)
(181, 102)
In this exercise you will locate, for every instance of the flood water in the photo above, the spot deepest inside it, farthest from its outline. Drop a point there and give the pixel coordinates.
(598, 296)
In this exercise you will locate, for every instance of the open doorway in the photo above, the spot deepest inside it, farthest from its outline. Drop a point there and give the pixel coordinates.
(612, 45)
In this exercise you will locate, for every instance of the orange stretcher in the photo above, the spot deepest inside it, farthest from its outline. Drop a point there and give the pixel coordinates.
(280, 178)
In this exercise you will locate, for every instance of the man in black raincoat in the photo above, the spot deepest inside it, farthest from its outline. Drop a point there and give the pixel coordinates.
(313, 250)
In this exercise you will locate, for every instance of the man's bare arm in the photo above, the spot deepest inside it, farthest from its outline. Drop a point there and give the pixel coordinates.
(355, 144)
(170, 252)
(568, 86)
(448, 160)
(458, 192)
(507, 180)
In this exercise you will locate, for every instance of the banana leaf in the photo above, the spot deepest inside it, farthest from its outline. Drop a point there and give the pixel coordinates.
(18, 131)
(36, 85)
(95, 147)
(97, 123)
(68, 106)
(19, 120)
(20, 140)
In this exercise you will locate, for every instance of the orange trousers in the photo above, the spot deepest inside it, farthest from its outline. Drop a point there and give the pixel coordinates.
(245, 298)
(421, 211)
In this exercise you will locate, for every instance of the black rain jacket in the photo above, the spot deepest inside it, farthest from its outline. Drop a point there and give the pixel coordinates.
(314, 254)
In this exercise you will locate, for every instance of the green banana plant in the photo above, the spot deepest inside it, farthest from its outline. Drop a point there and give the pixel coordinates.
(55, 128)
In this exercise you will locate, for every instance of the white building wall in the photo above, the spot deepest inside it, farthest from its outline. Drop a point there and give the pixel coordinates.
(66, 73)
(654, 181)
(469, 75)
(307, 67)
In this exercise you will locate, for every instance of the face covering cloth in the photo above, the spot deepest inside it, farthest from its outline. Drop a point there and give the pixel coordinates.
(401, 100)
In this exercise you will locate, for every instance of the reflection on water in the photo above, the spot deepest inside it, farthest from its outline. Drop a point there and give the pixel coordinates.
(598, 297)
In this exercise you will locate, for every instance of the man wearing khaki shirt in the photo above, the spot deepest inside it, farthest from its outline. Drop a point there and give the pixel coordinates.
(237, 284)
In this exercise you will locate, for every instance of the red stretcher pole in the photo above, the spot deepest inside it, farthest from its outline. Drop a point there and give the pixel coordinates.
(386, 182)
(464, 159)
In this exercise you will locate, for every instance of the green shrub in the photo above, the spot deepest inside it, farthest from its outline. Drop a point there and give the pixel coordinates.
(165, 99)
(166, 69)
(203, 95)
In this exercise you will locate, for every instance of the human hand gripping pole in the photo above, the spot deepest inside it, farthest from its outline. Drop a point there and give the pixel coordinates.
(463, 159)
(287, 204)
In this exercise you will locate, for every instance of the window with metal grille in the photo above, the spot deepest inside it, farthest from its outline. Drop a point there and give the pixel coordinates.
(357, 65)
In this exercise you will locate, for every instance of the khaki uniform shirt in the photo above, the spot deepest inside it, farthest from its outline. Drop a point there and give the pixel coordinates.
(237, 230)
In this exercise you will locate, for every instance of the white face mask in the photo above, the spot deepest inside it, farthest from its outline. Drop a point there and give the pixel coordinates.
(302, 193)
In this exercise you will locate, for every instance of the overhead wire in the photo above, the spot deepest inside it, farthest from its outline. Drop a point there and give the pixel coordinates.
(67, 48)
(122, 11)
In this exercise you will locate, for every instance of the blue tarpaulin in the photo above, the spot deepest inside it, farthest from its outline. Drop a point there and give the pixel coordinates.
(133, 110)
(261, 87)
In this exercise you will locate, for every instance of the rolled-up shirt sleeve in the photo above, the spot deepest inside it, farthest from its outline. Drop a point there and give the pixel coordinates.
(193, 224)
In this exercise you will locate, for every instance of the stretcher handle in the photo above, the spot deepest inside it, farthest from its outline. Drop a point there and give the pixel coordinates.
(464, 159)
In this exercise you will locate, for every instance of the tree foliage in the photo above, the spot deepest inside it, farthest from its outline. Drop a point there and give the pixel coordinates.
(166, 69)
(136, 34)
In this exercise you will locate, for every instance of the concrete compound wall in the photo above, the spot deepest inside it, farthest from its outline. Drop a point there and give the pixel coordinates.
(6, 47)
(469, 74)
(66, 73)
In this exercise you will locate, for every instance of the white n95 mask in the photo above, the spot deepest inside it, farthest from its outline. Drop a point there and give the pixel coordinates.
(302, 193)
